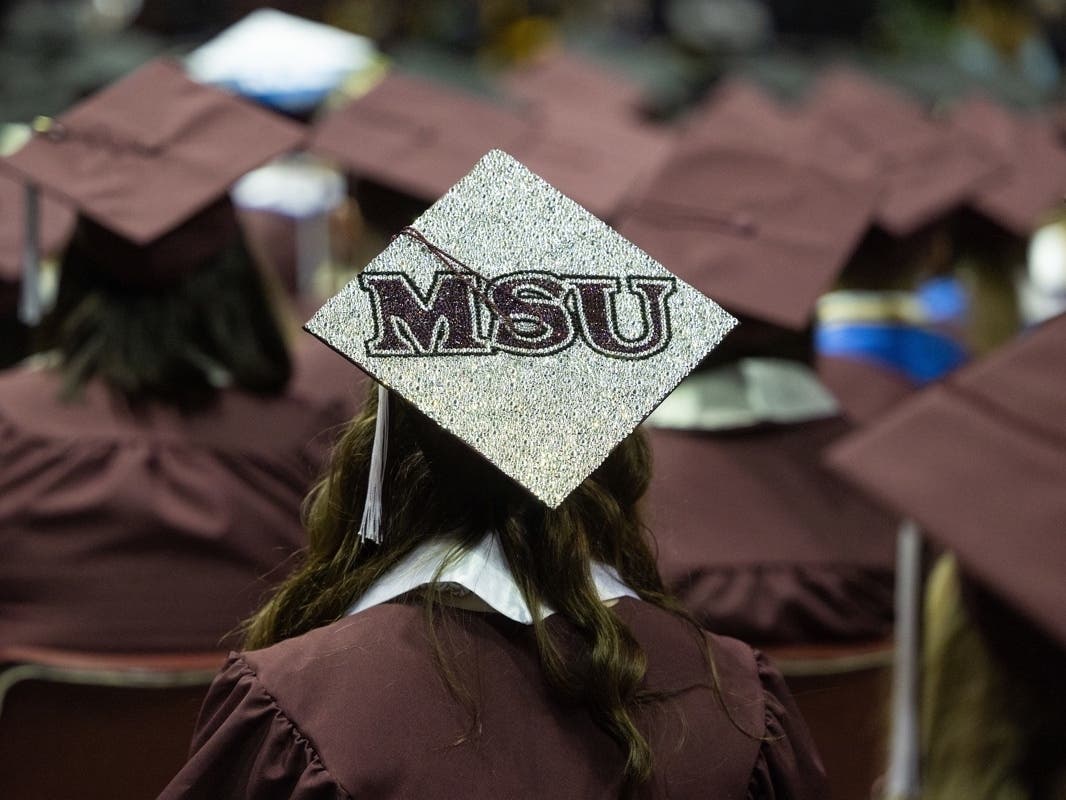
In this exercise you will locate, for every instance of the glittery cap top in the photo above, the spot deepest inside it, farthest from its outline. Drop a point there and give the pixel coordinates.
(543, 340)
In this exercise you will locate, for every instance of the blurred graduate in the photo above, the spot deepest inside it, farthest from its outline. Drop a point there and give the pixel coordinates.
(479, 613)
(154, 457)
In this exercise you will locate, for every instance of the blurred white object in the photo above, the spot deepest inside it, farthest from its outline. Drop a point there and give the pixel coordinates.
(746, 393)
(280, 60)
(304, 191)
(13, 136)
(293, 187)
(1042, 292)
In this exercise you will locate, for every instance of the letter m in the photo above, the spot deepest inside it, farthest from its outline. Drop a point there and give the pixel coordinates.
(407, 323)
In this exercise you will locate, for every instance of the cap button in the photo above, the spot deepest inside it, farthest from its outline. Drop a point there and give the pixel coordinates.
(743, 222)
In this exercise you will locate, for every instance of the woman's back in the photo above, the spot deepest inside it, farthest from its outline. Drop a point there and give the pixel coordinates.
(150, 529)
(358, 708)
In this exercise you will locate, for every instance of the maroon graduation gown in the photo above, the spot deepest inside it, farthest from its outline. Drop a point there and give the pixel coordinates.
(760, 541)
(151, 532)
(357, 709)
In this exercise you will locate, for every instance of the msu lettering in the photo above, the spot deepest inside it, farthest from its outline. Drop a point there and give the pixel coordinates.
(523, 313)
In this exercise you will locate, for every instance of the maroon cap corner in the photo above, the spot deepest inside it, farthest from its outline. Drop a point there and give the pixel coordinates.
(144, 155)
(979, 461)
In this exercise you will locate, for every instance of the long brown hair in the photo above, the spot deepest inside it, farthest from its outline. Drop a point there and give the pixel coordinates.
(436, 487)
(992, 707)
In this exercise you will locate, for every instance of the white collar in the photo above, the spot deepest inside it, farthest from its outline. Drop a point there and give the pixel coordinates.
(481, 570)
(746, 393)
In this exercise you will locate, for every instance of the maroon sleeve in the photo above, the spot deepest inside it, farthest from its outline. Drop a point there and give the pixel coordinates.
(245, 746)
(788, 766)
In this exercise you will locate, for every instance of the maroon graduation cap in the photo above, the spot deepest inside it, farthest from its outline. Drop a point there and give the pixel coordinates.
(741, 114)
(419, 137)
(1032, 180)
(415, 135)
(148, 162)
(600, 162)
(979, 461)
(145, 154)
(763, 233)
(559, 81)
(930, 168)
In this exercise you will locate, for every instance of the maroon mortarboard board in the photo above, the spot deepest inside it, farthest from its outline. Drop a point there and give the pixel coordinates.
(979, 462)
(415, 135)
(735, 107)
(560, 81)
(741, 114)
(419, 137)
(1032, 180)
(148, 162)
(600, 162)
(144, 155)
(1056, 119)
(765, 235)
(54, 229)
(930, 169)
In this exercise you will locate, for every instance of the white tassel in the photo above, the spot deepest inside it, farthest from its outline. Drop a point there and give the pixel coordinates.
(31, 307)
(370, 526)
(903, 779)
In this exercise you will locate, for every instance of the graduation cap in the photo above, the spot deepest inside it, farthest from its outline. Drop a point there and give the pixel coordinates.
(414, 135)
(1032, 180)
(523, 325)
(53, 230)
(147, 162)
(978, 463)
(764, 234)
(741, 114)
(283, 61)
(600, 162)
(930, 169)
(419, 137)
(560, 81)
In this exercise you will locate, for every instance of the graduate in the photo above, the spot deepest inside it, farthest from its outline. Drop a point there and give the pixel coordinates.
(897, 319)
(154, 458)
(876, 340)
(479, 613)
(754, 536)
(977, 462)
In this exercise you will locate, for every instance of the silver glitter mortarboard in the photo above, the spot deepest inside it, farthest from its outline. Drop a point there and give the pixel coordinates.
(547, 351)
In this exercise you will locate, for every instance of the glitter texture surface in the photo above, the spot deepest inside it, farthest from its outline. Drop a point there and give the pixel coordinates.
(549, 417)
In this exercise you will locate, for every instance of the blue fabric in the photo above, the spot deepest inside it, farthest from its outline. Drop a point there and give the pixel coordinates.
(921, 355)
(943, 299)
(292, 100)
